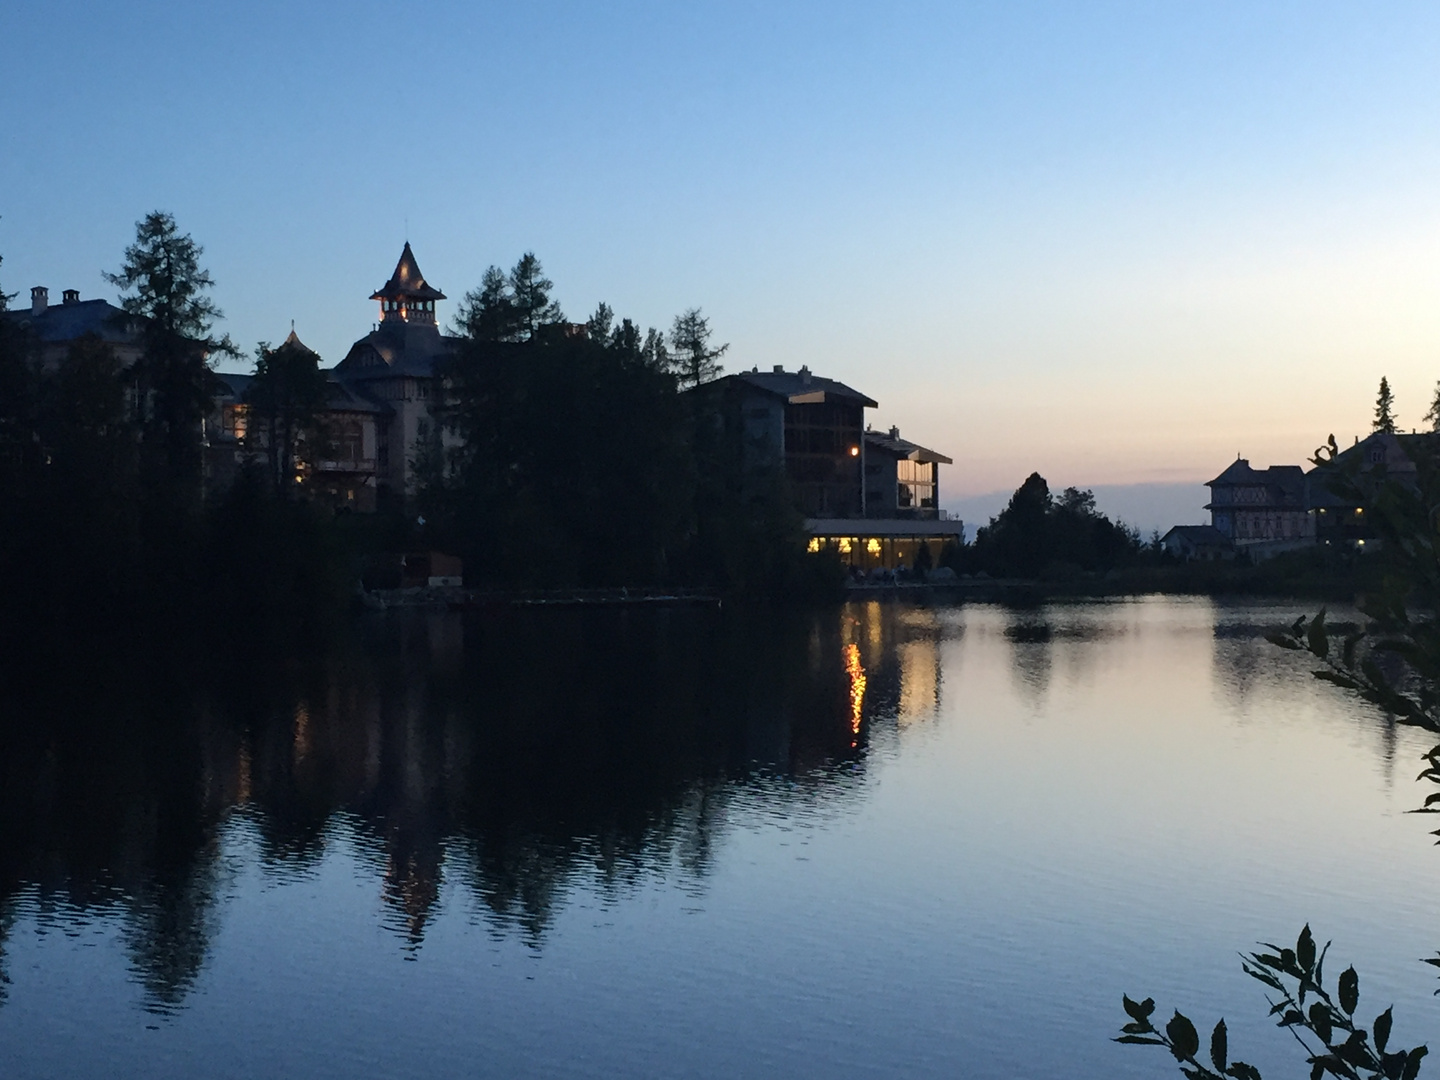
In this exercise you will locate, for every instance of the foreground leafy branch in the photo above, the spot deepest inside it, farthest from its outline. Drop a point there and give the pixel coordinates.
(1327, 1029)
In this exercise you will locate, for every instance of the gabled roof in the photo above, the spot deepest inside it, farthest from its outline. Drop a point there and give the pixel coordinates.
(69, 321)
(797, 387)
(903, 448)
(1285, 487)
(1199, 535)
(391, 350)
(407, 282)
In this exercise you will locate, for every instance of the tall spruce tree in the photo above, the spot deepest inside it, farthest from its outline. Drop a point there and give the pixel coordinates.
(1384, 409)
(1434, 414)
(695, 360)
(530, 294)
(166, 286)
(487, 313)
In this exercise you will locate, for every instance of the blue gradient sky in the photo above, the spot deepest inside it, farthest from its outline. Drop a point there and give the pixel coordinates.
(1117, 243)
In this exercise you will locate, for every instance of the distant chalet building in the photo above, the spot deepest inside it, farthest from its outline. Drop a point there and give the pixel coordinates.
(1377, 458)
(873, 497)
(1197, 543)
(1264, 511)
(56, 327)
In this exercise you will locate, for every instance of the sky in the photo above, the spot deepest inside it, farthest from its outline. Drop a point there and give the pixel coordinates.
(1115, 243)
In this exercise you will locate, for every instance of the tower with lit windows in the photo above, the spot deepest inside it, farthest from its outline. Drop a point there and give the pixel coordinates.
(397, 367)
(407, 298)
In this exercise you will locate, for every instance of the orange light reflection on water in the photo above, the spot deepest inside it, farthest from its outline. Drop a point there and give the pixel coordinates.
(856, 671)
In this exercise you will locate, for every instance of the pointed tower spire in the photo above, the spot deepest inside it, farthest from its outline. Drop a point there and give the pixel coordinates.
(407, 297)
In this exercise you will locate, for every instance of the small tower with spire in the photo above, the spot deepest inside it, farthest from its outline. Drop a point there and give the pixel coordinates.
(406, 299)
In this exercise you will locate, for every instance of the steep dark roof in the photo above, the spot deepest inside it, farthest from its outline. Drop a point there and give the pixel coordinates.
(292, 339)
(66, 322)
(903, 448)
(1199, 535)
(396, 349)
(1285, 485)
(407, 282)
(798, 387)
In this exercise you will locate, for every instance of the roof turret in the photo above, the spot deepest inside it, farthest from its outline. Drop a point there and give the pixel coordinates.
(407, 283)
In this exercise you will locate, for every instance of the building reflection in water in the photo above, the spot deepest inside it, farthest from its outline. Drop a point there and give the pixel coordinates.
(518, 755)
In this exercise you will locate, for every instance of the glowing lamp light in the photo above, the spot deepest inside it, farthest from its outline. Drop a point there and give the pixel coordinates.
(814, 545)
(854, 451)
(873, 546)
(844, 545)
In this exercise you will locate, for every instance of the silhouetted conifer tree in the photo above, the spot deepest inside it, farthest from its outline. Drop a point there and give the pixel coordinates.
(1434, 414)
(1384, 409)
(695, 360)
(165, 285)
(530, 292)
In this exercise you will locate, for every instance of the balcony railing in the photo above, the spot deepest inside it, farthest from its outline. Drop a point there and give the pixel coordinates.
(354, 465)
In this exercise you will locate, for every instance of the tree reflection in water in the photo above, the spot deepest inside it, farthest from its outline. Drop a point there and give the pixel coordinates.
(517, 754)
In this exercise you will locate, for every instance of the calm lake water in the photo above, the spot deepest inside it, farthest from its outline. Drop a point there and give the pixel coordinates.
(887, 840)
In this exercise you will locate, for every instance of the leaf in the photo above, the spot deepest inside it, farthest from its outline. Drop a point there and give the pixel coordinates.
(1347, 650)
(1139, 1010)
(1291, 1018)
(1412, 1063)
(1184, 1041)
(1305, 946)
(1349, 990)
(1242, 1071)
(1219, 1051)
(1283, 641)
(1382, 1030)
(1316, 638)
(1354, 1049)
(1140, 1040)
(1320, 1021)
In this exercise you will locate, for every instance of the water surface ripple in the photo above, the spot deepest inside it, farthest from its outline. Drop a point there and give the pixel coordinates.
(888, 840)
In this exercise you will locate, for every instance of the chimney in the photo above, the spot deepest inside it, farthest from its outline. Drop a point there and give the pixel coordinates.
(895, 433)
(71, 296)
(39, 300)
(779, 369)
(804, 374)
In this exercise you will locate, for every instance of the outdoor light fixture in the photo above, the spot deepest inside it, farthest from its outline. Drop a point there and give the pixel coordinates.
(854, 451)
